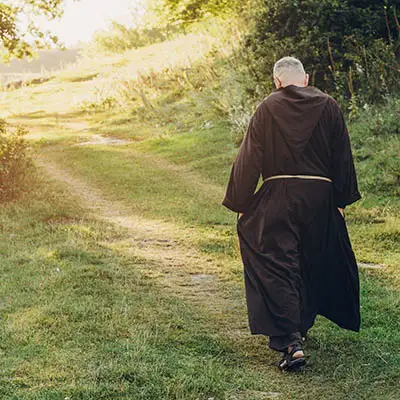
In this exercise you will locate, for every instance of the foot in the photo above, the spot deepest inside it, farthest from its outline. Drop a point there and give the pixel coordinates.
(294, 359)
(297, 353)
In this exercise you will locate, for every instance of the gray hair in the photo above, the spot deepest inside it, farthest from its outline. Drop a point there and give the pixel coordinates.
(288, 67)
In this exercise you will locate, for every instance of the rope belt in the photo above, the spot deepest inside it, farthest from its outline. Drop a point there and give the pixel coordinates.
(321, 178)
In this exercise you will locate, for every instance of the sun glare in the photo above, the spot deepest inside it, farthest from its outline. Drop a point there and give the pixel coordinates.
(83, 18)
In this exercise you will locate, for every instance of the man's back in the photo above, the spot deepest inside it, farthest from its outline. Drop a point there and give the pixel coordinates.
(295, 131)
(294, 244)
(298, 140)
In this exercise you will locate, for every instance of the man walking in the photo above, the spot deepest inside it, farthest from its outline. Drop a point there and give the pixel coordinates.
(297, 256)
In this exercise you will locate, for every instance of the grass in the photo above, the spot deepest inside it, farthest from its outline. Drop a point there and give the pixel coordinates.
(126, 283)
(82, 318)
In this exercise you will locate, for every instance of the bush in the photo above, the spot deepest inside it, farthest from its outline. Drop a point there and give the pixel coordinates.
(375, 135)
(351, 47)
(15, 160)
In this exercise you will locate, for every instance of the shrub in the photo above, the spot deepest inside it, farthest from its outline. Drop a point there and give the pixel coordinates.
(15, 160)
(375, 135)
(350, 47)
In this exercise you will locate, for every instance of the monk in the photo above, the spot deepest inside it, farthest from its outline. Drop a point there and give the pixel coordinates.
(297, 255)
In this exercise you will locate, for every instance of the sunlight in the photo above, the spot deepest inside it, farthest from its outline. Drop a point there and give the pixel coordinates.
(83, 18)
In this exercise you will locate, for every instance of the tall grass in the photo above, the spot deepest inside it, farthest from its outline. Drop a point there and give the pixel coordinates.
(375, 136)
(204, 70)
(15, 161)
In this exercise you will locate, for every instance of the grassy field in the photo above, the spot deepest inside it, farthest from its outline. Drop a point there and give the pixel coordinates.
(121, 276)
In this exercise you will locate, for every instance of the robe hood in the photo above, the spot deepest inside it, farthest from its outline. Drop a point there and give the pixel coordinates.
(296, 110)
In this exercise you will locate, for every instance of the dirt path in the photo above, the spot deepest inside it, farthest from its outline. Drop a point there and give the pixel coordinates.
(165, 248)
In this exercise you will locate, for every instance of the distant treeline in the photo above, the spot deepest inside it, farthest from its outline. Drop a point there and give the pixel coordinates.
(46, 60)
(122, 38)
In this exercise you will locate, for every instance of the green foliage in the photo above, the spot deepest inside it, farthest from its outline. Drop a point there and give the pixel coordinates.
(187, 12)
(240, 90)
(14, 159)
(121, 37)
(14, 40)
(375, 137)
(349, 47)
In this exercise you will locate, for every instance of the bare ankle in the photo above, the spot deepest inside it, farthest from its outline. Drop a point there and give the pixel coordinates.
(297, 354)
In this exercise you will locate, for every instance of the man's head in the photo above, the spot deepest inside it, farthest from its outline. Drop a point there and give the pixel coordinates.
(289, 71)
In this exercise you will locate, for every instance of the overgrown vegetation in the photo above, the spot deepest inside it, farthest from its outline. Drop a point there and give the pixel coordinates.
(14, 160)
(376, 146)
(351, 48)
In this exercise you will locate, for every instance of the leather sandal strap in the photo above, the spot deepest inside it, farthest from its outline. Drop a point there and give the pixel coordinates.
(294, 349)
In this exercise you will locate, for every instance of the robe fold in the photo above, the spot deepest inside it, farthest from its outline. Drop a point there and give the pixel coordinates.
(297, 256)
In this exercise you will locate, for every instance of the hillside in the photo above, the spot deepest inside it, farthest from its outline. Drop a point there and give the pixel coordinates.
(46, 61)
(121, 270)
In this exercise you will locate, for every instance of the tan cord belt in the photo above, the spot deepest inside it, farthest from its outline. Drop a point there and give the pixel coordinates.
(321, 178)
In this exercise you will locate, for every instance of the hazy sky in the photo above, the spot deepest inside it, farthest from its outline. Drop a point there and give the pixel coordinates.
(82, 18)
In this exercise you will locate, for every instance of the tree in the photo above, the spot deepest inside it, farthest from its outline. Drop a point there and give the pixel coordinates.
(186, 12)
(350, 47)
(21, 40)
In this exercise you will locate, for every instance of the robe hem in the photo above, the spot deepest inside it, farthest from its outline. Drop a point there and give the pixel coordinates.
(280, 333)
(273, 332)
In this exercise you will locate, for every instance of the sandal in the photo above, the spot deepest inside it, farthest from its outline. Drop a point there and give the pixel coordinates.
(304, 336)
(290, 364)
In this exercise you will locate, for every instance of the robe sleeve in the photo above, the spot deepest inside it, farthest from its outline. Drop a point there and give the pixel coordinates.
(343, 171)
(247, 166)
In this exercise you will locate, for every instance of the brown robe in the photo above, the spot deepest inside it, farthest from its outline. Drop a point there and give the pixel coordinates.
(297, 256)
